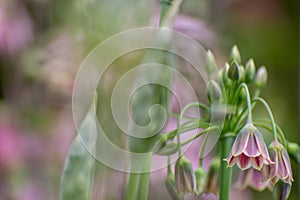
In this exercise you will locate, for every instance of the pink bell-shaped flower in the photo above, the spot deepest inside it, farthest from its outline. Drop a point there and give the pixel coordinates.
(249, 149)
(253, 178)
(282, 167)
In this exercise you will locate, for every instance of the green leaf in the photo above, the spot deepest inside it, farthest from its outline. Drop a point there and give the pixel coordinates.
(79, 168)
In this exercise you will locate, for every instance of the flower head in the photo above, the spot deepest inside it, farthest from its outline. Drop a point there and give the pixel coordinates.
(253, 178)
(282, 167)
(249, 149)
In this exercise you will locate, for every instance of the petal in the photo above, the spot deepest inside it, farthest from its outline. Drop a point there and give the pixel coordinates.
(252, 149)
(243, 179)
(243, 161)
(240, 142)
(282, 171)
(257, 162)
(257, 181)
(274, 167)
(261, 144)
(287, 163)
(231, 161)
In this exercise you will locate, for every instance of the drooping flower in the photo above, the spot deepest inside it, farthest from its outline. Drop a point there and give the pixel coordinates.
(282, 167)
(249, 149)
(253, 178)
(184, 176)
(281, 191)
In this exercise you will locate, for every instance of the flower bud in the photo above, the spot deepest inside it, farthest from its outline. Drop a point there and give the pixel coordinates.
(234, 72)
(226, 80)
(242, 96)
(235, 55)
(261, 77)
(249, 71)
(201, 178)
(293, 150)
(160, 143)
(281, 191)
(214, 92)
(171, 187)
(184, 175)
(242, 73)
(213, 177)
(210, 63)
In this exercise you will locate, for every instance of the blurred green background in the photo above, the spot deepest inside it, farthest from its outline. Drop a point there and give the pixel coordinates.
(43, 42)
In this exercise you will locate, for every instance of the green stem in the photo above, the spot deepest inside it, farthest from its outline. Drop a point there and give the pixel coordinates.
(138, 184)
(225, 172)
(199, 134)
(145, 178)
(197, 104)
(248, 99)
(270, 115)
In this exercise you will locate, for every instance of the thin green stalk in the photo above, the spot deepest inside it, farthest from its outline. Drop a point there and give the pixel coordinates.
(199, 134)
(248, 99)
(196, 104)
(270, 115)
(225, 172)
(138, 184)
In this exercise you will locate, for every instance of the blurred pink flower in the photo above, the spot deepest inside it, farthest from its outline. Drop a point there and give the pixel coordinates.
(253, 178)
(249, 149)
(10, 148)
(208, 196)
(15, 28)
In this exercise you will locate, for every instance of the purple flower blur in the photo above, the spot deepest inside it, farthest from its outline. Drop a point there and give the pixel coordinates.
(253, 178)
(249, 149)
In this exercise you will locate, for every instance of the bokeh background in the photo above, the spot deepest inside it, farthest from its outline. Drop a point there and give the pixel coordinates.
(43, 42)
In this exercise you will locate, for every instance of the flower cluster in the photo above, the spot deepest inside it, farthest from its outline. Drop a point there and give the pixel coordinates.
(260, 166)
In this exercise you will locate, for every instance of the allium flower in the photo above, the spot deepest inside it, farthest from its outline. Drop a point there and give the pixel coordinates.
(281, 191)
(184, 176)
(282, 168)
(208, 196)
(249, 149)
(253, 178)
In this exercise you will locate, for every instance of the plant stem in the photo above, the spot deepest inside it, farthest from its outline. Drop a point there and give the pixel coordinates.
(248, 99)
(225, 172)
(270, 115)
(145, 178)
(138, 183)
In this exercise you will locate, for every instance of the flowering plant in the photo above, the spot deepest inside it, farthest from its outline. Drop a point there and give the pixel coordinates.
(232, 92)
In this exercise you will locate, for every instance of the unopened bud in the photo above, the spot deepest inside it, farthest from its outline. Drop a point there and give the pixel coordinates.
(210, 63)
(226, 80)
(249, 71)
(281, 191)
(201, 178)
(293, 150)
(214, 92)
(213, 177)
(242, 96)
(235, 55)
(234, 72)
(242, 73)
(160, 143)
(171, 187)
(261, 77)
(184, 175)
